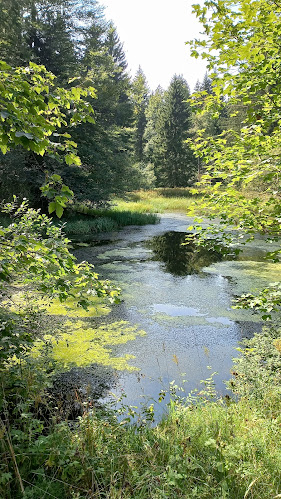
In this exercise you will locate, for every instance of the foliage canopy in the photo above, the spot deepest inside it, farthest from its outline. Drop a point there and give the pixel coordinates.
(33, 109)
(243, 54)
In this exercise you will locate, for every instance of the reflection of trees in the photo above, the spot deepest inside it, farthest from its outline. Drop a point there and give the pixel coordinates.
(181, 259)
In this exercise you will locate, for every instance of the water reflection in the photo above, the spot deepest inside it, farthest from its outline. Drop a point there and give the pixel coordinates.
(181, 258)
(176, 311)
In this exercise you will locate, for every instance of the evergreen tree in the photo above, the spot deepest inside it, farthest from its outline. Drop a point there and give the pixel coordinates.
(49, 34)
(197, 87)
(13, 47)
(211, 123)
(206, 85)
(152, 134)
(73, 39)
(175, 165)
(105, 147)
(140, 92)
(38, 31)
(116, 50)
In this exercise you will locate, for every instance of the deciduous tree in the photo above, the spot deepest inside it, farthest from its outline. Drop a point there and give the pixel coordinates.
(243, 47)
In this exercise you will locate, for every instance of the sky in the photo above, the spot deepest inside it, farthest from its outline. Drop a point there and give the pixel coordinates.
(154, 34)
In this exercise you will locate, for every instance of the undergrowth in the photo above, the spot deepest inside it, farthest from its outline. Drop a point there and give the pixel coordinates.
(206, 447)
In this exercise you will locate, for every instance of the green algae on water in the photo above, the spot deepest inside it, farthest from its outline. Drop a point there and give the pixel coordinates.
(54, 307)
(247, 276)
(75, 341)
(82, 345)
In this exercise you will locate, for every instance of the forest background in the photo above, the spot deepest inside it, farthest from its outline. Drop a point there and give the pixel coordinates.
(137, 139)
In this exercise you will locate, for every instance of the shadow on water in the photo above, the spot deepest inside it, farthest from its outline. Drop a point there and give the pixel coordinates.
(181, 258)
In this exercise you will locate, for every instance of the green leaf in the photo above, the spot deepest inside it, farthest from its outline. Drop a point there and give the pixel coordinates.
(52, 207)
(4, 66)
(59, 210)
(55, 178)
(24, 134)
(72, 159)
(3, 148)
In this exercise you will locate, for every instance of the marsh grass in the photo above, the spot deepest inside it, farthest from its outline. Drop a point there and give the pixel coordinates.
(85, 227)
(156, 201)
(205, 447)
(83, 220)
(121, 217)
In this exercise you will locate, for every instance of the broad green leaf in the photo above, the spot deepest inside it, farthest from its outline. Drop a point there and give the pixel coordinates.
(52, 207)
(59, 210)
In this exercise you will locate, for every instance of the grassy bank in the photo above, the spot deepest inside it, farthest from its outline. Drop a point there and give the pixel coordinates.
(83, 220)
(156, 201)
(205, 448)
(136, 208)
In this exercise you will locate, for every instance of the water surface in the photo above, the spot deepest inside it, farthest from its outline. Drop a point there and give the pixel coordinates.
(182, 300)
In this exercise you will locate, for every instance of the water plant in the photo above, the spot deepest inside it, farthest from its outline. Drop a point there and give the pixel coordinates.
(83, 220)
(203, 448)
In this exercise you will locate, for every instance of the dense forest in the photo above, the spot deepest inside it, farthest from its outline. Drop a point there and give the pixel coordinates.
(76, 131)
(137, 139)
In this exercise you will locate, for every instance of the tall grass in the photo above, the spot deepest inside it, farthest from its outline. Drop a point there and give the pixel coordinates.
(84, 221)
(121, 216)
(86, 227)
(156, 201)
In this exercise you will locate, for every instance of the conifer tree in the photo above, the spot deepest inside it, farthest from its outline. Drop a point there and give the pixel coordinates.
(153, 115)
(175, 164)
(206, 85)
(72, 39)
(140, 93)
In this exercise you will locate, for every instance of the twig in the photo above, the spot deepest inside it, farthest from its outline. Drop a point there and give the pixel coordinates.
(13, 457)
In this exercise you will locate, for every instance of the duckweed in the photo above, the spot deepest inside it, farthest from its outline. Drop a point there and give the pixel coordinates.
(82, 345)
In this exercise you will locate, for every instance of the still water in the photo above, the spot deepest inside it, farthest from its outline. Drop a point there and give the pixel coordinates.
(182, 300)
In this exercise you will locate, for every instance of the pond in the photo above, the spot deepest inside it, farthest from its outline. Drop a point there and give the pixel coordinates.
(182, 300)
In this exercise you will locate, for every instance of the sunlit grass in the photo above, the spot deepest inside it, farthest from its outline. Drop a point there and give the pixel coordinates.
(84, 220)
(156, 201)
(209, 450)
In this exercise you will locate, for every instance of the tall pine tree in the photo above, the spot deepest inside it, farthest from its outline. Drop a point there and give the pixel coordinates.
(152, 134)
(73, 39)
(175, 163)
(140, 92)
